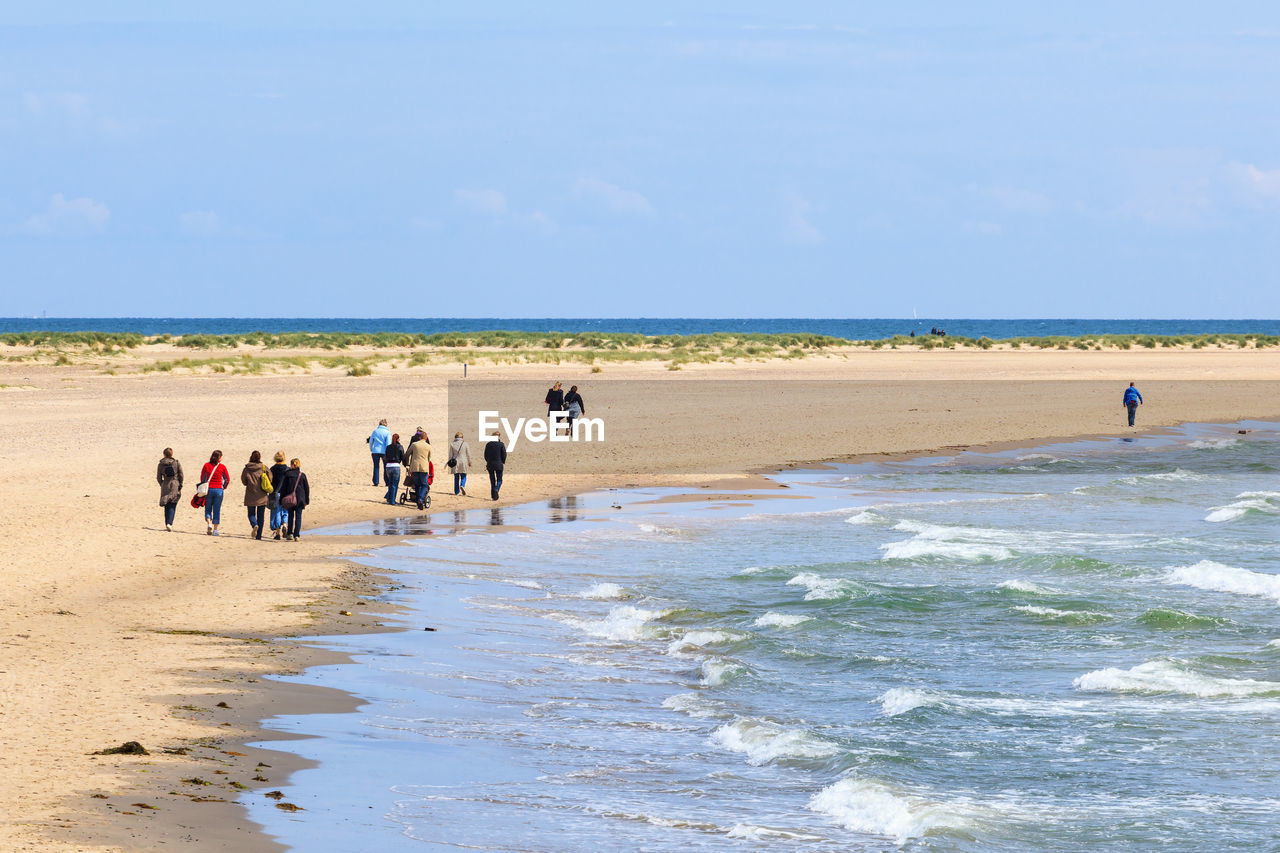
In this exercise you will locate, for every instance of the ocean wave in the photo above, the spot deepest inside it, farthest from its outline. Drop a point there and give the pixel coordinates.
(1214, 444)
(763, 742)
(901, 700)
(1075, 617)
(780, 620)
(1266, 503)
(693, 704)
(604, 592)
(823, 589)
(1164, 676)
(694, 640)
(717, 671)
(1016, 585)
(768, 833)
(871, 807)
(1217, 577)
(1168, 618)
(623, 623)
(866, 517)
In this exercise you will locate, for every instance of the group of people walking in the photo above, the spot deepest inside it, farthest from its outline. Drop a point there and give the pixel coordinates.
(391, 460)
(282, 490)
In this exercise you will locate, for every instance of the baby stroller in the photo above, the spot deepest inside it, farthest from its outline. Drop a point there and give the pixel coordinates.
(406, 494)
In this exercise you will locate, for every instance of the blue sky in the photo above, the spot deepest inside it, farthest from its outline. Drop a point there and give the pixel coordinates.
(713, 159)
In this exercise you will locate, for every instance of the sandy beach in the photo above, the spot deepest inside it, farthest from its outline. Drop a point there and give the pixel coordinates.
(118, 631)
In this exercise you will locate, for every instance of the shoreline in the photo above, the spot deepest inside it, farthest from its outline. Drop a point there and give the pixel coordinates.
(187, 629)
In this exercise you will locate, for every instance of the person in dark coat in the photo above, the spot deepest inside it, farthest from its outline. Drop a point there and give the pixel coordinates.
(169, 476)
(574, 406)
(279, 515)
(495, 459)
(391, 461)
(295, 484)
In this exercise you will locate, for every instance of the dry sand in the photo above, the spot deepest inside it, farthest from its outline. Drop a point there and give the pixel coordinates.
(114, 630)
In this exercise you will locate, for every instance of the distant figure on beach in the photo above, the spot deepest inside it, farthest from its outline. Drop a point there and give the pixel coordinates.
(391, 464)
(378, 442)
(169, 476)
(279, 515)
(256, 493)
(460, 462)
(295, 494)
(216, 477)
(1132, 400)
(417, 462)
(555, 399)
(495, 460)
(574, 406)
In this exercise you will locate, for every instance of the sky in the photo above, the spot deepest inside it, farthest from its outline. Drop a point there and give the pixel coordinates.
(712, 159)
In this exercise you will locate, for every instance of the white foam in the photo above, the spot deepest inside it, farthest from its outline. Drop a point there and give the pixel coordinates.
(604, 592)
(1274, 644)
(1215, 444)
(716, 671)
(694, 640)
(912, 549)
(780, 620)
(692, 704)
(1016, 585)
(623, 623)
(820, 588)
(1055, 613)
(1169, 677)
(865, 517)
(762, 741)
(900, 700)
(766, 833)
(1217, 577)
(871, 807)
(1239, 508)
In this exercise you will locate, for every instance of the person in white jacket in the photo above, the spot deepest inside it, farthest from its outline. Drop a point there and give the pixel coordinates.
(460, 462)
(378, 442)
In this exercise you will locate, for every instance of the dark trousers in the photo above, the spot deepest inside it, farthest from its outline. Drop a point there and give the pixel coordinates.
(294, 525)
(420, 488)
(169, 511)
(257, 518)
(495, 481)
(393, 482)
(377, 465)
(1133, 410)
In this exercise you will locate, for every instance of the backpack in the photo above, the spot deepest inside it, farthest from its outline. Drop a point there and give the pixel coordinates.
(169, 472)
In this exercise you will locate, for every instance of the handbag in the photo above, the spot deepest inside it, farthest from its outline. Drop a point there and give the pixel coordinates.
(203, 488)
(453, 463)
(265, 481)
(197, 501)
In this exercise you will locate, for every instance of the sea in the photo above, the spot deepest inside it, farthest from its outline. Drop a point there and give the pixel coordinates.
(852, 329)
(1070, 647)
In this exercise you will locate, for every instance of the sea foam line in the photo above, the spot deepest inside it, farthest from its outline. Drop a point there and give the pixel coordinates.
(1217, 577)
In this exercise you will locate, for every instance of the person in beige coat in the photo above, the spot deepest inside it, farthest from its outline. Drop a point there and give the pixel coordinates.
(460, 462)
(417, 464)
(255, 497)
(169, 476)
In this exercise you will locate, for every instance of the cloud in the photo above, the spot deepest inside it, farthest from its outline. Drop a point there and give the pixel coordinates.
(612, 198)
(490, 202)
(539, 222)
(69, 216)
(797, 228)
(200, 223)
(1261, 184)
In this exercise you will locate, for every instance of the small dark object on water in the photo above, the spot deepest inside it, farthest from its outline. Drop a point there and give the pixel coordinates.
(1242, 432)
(275, 795)
(428, 629)
(223, 705)
(131, 747)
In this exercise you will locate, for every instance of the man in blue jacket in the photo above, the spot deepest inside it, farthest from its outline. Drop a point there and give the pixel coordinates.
(378, 446)
(1132, 400)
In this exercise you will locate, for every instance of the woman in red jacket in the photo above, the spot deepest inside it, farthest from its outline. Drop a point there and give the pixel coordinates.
(215, 474)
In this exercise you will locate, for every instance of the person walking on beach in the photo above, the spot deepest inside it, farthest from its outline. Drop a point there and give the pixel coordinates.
(257, 487)
(555, 399)
(279, 515)
(295, 494)
(378, 442)
(574, 406)
(391, 465)
(460, 462)
(417, 462)
(495, 460)
(215, 477)
(169, 476)
(1132, 400)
